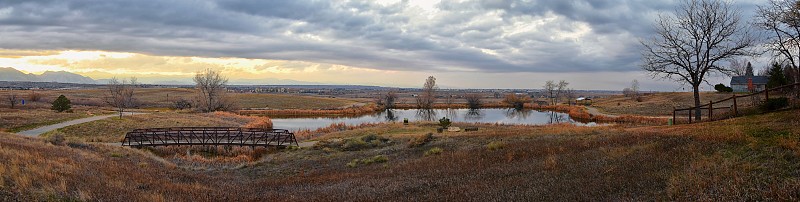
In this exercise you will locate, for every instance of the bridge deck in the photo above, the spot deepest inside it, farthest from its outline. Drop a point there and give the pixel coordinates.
(209, 136)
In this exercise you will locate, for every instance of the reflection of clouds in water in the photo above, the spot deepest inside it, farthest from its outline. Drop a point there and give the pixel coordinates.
(505, 116)
(473, 115)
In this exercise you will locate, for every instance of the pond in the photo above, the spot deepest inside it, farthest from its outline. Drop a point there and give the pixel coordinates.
(504, 116)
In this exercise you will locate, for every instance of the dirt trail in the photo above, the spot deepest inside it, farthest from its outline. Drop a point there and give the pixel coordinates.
(41, 130)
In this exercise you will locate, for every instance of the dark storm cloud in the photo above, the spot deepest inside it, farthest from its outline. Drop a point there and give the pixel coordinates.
(483, 36)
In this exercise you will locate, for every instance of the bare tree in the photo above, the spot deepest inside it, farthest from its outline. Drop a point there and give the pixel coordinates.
(690, 45)
(550, 90)
(387, 100)
(739, 67)
(560, 88)
(12, 99)
(781, 19)
(449, 99)
(635, 89)
(120, 94)
(627, 92)
(428, 96)
(474, 100)
(517, 101)
(569, 93)
(211, 92)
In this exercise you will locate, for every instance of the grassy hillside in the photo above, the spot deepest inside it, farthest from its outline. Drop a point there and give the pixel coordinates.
(114, 129)
(747, 158)
(656, 104)
(15, 120)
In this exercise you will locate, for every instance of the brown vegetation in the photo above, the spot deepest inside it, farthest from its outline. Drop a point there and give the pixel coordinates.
(114, 129)
(15, 120)
(653, 104)
(748, 158)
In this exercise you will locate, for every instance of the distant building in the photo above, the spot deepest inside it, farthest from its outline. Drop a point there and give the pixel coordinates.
(749, 83)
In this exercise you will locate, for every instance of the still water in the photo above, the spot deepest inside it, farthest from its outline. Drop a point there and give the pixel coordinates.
(505, 116)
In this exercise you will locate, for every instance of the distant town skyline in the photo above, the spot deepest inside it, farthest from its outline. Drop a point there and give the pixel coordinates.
(465, 44)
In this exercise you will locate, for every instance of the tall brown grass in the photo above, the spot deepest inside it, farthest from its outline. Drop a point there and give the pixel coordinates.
(306, 134)
(580, 113)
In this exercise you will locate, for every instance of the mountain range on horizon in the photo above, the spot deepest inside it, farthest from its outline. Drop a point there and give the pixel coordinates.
(12, 74)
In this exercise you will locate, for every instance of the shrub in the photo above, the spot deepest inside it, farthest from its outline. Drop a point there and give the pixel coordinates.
(421, 140)
(433, 151)
(34, 96)
(61, 104)
(56, 139)
(181, 104)
(518, 102)
(354, 144)
(262, 122)
(495, 145)
(444, 122)
(366, 161)
(473, 101)
(722, 88)
(775, 104)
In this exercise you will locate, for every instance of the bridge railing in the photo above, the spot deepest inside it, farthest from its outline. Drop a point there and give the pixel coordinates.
(230, 136)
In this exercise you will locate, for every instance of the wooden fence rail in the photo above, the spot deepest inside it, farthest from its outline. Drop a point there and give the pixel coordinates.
(735, 108)
(230, 136)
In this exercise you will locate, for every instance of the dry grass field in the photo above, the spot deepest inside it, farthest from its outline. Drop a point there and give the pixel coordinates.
(114, 129)
(657, 104)
(19, 119)
(746, 158)
(164, 98)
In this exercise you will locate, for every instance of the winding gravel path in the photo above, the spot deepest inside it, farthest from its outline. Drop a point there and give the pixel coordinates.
(41, 130)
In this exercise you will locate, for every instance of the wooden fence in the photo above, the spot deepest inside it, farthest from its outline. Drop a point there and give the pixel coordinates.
(733, 106)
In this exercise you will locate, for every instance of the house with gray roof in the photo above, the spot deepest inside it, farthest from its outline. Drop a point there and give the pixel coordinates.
(742, 83)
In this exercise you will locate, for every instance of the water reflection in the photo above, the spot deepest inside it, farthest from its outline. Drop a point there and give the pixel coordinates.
(452, 114)
(426, 114)
(473, 115)
(505, 116)
(519, 114)
(390, 117)
(556, 117)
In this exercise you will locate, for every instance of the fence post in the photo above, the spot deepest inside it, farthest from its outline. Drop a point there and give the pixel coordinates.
(674, 116)
(710, 110)
(766, 94)
(691, 110)
(735, 109)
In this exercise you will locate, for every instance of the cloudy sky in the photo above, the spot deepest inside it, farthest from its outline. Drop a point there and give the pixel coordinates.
(593, 44)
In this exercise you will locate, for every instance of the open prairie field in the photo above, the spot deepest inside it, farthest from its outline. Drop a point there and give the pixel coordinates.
(24, 118)
(164, 98)
(114, 129)
(655, 104)
(724, 160)
(278, 101)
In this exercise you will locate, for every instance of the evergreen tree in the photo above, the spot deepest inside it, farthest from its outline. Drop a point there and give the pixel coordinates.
(776, 76)
(61, 104)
